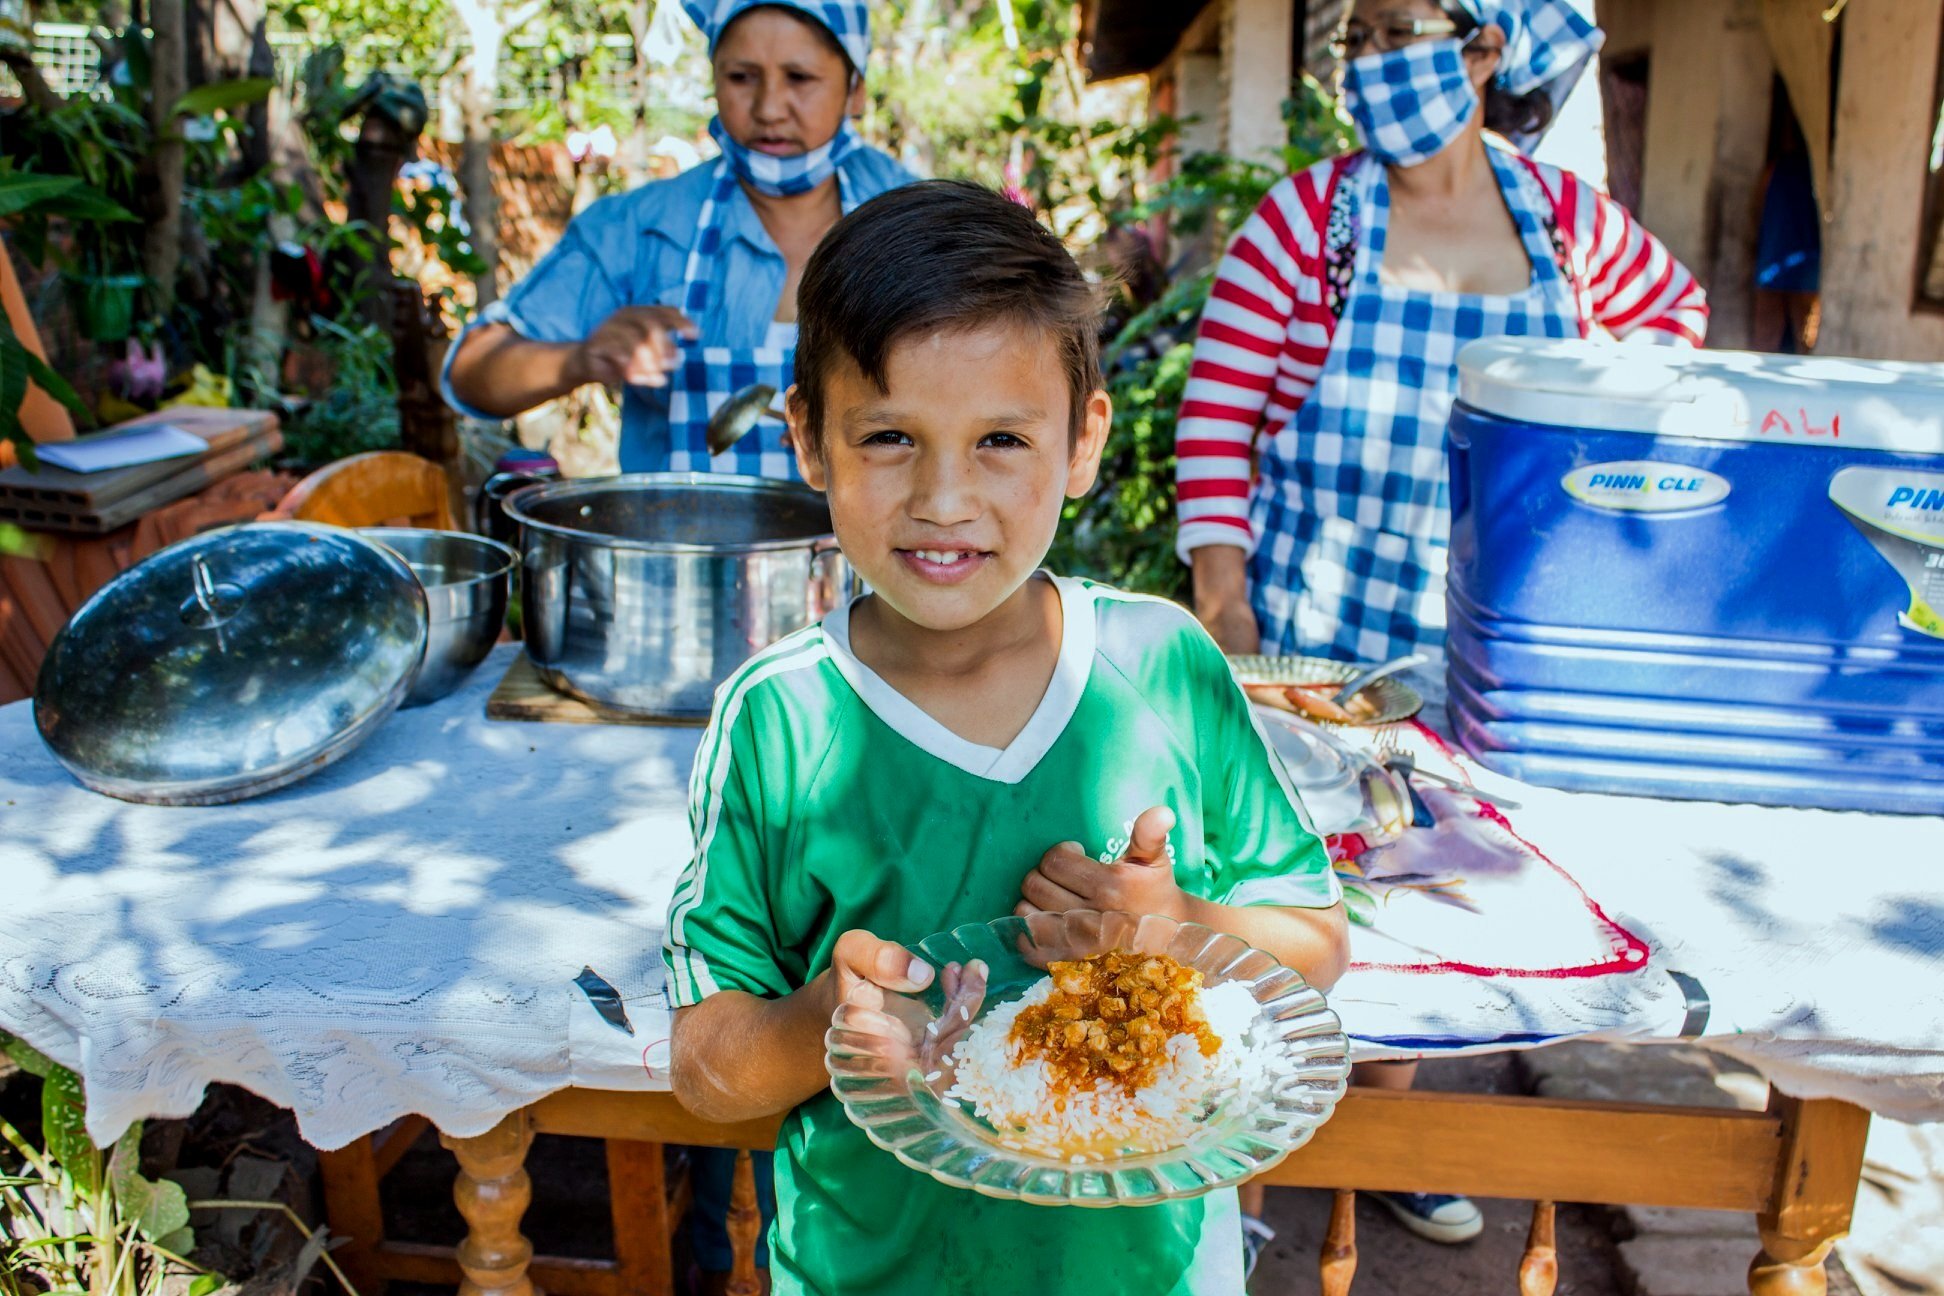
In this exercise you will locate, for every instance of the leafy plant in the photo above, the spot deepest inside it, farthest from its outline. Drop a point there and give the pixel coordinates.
(80, 1218)
(27, 202)
(18, 367)
(358, 410)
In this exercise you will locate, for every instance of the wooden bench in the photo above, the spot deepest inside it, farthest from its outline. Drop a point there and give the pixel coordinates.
(1795, 1167)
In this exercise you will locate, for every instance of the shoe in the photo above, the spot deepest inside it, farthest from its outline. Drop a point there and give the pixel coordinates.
(1256, 1236)
(1440, 1217)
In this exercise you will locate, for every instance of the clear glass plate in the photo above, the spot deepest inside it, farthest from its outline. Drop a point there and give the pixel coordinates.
(891, 1064)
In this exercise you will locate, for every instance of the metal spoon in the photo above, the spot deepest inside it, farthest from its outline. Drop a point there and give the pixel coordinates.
(1405, 765)
(736, 416)
(1359, 683)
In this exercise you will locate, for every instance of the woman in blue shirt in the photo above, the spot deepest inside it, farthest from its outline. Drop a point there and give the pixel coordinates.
(684, 290)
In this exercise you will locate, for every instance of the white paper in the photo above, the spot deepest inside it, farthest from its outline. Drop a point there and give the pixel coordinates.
(122, 449)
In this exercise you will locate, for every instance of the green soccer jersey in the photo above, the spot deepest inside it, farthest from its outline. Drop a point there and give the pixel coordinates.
(823, 800)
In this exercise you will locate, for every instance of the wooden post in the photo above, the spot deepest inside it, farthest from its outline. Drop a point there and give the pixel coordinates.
(1815, 1191)
(492, 1192)
(1539, 1266)
(1338, 1264)
(745, 1227)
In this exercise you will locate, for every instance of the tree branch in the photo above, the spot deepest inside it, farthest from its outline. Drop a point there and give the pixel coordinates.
(32, 84)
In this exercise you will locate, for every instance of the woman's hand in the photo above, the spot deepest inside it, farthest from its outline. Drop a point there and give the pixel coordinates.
(1141, 881)
(635, 346)
(1222, 598)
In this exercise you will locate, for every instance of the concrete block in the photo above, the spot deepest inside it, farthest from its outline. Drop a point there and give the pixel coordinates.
(1657, 1073)
(1670, 1221)
(1686, 1266)
(1659, 1265)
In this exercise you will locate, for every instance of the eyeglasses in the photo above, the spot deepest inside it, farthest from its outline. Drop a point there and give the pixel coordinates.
(1388, 34)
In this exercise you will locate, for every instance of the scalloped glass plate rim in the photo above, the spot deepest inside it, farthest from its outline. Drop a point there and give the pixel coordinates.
(959, 1152)
(1395, 699)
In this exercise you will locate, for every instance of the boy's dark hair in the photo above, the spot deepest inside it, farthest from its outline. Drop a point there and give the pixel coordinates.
(939, 254)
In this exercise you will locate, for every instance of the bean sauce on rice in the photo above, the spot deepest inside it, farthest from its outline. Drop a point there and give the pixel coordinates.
(1110, 1017)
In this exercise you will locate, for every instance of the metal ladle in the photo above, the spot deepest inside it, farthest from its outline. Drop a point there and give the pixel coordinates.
(736, 416)
(1359, 683)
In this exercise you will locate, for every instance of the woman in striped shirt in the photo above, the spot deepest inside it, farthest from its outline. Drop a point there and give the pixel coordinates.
(1313, 490)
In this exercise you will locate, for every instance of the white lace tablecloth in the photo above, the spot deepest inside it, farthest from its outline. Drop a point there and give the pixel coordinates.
(400, 932)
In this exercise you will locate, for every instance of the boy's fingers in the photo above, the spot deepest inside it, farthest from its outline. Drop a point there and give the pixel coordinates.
(1044, 892)
(1078, 874)
(885, 962)
(867, 996)
(1147, 842)
(1065, 850)
(1026, 909)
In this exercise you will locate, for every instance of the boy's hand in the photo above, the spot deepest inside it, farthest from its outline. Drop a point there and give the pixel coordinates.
(863, 960)
(1141, 881)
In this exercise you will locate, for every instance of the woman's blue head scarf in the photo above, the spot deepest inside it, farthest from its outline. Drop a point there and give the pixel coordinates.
(849, 22)
(1548, 44)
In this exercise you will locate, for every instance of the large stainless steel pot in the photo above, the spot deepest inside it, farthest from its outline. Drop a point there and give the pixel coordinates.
(644, 592)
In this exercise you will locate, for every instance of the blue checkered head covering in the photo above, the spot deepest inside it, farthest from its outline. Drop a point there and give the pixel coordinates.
(1548, 44)
(849, 21)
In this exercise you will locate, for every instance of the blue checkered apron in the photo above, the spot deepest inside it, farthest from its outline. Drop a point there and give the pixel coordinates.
(1352, 511)
(709, 374)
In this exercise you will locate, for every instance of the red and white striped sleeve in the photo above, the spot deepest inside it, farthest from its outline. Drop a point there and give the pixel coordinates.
(1632, 286)
(1261, 344)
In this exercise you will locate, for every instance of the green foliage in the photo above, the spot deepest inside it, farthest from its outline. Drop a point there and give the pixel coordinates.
(221, 95)
(75, 1218)
(18, 367)
(358, 411)
(27, 201)
(433, 212)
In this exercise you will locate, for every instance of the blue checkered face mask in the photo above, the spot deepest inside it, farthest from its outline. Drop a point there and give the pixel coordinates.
(1410, 103)
(783, 177)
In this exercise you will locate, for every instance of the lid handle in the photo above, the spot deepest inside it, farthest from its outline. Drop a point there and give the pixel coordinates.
(210, 604)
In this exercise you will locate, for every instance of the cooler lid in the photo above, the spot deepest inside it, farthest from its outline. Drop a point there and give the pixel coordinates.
(1718, 395)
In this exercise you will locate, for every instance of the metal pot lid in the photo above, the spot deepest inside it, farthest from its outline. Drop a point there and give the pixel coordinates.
(232, 663)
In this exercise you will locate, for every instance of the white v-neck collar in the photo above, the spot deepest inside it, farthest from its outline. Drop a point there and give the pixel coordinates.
(1008, 764)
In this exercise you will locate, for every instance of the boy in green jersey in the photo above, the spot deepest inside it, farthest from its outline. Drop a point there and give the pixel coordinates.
(971, 739)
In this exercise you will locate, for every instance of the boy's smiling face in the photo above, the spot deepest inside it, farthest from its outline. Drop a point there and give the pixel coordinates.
(945, 489)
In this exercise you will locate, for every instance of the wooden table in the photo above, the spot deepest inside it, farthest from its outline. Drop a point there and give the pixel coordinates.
(1794, 1166)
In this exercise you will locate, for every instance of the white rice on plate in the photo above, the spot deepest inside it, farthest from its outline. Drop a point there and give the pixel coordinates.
(1014, 1093)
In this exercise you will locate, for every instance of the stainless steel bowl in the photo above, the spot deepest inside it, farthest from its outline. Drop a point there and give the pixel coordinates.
(466, 579)
(645, 592)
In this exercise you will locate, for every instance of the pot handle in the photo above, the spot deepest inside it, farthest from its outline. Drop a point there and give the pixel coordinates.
(486, 504)
(832, 582)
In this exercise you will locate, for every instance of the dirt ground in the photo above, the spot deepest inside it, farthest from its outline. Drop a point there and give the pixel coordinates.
(1393, 1262)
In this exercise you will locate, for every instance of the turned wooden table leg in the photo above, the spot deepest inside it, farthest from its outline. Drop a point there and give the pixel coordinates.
(745, 1228)
(1784, 1270)
(1338, 1264)
(1539, 1266)
(492, 1192)
(351, 1178)
(1815, 1191)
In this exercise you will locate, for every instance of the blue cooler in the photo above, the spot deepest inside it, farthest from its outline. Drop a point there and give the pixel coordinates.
(1698, 574)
